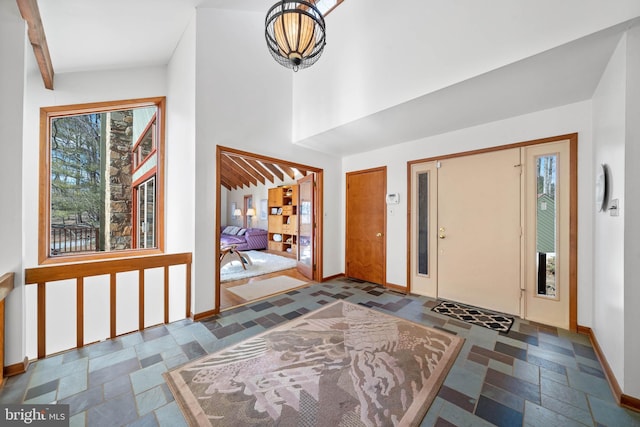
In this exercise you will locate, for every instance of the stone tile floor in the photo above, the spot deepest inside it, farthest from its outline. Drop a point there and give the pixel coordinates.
(535, 375)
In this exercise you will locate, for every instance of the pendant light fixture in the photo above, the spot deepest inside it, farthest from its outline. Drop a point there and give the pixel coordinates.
(295, 33)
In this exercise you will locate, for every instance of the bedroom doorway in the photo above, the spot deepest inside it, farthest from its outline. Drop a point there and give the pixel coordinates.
(243, 181)
(481, 222)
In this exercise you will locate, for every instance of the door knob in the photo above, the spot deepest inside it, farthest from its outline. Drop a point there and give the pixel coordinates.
(442, 236)
(441, 229)
(379, 235)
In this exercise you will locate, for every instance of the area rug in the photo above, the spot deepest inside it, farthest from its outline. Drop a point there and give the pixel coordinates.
(340, 365)
(263, 263)
(474, 315)
(266, 287)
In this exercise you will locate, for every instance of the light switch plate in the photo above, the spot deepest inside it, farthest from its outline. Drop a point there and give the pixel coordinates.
(613, 207)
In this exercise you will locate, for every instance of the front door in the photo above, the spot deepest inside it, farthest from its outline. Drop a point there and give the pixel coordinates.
(479, 230)
(494, 230)
(306, 237)
(365, 225)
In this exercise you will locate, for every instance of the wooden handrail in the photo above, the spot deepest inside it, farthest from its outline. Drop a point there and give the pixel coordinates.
(6, 284)
(54, 273)
(40, 276)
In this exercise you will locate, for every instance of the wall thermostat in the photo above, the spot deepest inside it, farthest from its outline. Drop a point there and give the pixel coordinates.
(393, 198)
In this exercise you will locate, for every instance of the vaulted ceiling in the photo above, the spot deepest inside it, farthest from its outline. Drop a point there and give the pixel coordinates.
(238, 171)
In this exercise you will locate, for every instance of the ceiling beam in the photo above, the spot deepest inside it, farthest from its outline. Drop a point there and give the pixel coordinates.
(234, 181)
(228, 175)
(277, 172)
(288, 171)
(261, 169)
(248, 169)
(237, 171)
(31, 14)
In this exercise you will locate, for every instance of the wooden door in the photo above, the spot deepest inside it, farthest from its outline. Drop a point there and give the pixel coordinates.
(365, 225)
(479, 230)
(305, 246)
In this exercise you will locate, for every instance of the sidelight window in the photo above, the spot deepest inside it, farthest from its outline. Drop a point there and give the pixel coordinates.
(546, 224)
(423, 224)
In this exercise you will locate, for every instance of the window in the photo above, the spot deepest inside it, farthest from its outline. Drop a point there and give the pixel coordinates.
(326, 6)
(423, 223)
(101, 179)
(546, 224)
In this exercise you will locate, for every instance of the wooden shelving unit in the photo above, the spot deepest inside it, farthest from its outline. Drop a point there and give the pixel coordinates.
(283, 219)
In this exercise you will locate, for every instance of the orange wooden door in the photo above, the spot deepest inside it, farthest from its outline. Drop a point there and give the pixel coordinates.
(305, 249)
(365, 225)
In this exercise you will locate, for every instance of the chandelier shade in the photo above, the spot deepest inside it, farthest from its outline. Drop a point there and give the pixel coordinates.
(295, 33)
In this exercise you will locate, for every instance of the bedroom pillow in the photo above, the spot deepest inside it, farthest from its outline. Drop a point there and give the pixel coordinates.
(242, 231)
(234, 230)
(227, 229)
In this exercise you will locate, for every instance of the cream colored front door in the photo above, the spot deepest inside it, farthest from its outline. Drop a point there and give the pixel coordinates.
(465, 243)
(546, 221)
(493, 230)
(479, 230)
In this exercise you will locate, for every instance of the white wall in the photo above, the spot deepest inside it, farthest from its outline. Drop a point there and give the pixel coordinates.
(379, 53)
(12, 52)
(180, 144)
(608, 231)
(631, 223)
(244, 101)
(556, 121)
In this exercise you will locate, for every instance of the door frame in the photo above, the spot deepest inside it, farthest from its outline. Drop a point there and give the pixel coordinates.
(573, 210)
(304, 269)
(384, 226)
(319, 208)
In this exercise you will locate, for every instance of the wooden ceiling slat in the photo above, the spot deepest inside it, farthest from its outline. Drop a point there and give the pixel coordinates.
(288, 171)
(227, 182)
(241, 173)
(229, 175)
(238, 171)
(248, 169)
(277, 172)
(261, 169)
(236, 183)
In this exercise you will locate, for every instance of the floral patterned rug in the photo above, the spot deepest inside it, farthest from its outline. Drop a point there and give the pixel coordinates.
(340, 365)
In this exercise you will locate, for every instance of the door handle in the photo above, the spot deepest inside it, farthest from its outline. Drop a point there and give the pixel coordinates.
(442, 236)
(379, 235)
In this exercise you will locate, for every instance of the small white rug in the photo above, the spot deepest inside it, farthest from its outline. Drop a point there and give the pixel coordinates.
(263, 288)
(263, 263)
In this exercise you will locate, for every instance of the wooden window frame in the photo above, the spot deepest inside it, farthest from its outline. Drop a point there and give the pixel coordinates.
(332, 8)
(44, 202)
(137, 162)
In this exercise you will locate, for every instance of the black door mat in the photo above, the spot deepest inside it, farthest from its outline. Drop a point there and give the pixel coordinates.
(474, 315)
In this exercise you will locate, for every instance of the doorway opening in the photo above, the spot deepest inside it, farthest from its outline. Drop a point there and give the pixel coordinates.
(268, 234)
